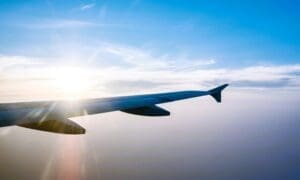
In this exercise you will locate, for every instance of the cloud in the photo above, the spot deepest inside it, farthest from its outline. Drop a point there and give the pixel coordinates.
(60, 23)
(87, 6)
(8, 63)
(140, 58)
(182, 70)
(131, 86)
(275, 83)
(118, 69)
(65, 23)
(283, 82)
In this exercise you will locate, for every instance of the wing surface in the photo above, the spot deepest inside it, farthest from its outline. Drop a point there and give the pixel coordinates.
(32, 113)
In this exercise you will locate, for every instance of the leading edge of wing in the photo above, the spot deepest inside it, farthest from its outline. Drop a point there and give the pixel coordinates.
(133, 103)
(118, 102)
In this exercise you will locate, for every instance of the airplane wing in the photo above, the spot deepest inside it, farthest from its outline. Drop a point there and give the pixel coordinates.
(53, 116)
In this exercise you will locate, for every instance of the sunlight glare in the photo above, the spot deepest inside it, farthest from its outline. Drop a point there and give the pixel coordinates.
(73, 82)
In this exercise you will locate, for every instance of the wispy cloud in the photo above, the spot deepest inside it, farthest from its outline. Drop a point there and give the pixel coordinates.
(143, 59)
(123, 69)
(60, 23)
(66, 24)
(87, 6)
(9, 62)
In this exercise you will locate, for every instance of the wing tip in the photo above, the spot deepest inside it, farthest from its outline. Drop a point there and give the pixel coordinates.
(216, 93)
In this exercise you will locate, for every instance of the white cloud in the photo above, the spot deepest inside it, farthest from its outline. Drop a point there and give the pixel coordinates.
(65, 23)
(60, 23)
(117, 68)
(87, 6)
(143, 59)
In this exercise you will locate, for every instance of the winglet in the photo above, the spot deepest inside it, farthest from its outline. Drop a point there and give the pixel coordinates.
(216, 92)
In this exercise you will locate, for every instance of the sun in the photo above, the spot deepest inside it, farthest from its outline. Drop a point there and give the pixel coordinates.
(73, 82)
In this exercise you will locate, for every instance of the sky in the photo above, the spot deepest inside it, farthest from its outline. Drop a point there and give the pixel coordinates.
(123, 47)
(76, 49)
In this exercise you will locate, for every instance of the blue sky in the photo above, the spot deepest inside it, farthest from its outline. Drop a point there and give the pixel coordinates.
(238, 33)
(229, 40)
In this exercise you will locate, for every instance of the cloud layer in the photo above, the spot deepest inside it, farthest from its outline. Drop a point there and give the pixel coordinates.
(117, 69)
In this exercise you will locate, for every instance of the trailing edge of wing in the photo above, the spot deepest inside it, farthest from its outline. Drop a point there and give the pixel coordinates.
(148, 111)
(56, 126)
